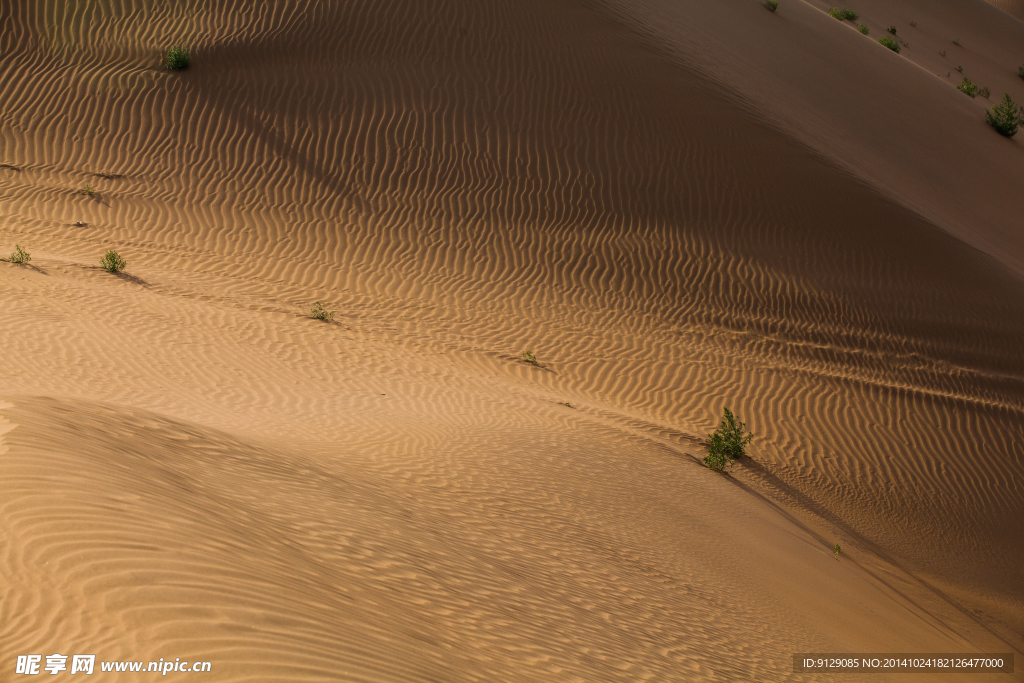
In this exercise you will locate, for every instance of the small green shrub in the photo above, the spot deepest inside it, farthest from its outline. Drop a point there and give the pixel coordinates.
(727, 443)
(863, 28)
(528, 357)
(957, 42)
(892, 30)
(717, 459)
(772, 5)
(87, 190)
(960, 69)
(112, 262)
(984, 92)
(890, 43)
(836, 550)
(320, 313)
(20, 255)
(1006, 117)
(177, 58)
(1020, 72)
(968, 88)
(843, 14)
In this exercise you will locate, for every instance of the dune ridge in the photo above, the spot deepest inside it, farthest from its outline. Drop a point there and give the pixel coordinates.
(1011, 7)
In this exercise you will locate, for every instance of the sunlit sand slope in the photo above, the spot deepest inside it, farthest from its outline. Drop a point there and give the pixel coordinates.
(1012, 7)
(461, 181)
(548, 549)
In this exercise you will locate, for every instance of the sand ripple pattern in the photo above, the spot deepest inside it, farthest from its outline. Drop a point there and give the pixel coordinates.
(465, 180)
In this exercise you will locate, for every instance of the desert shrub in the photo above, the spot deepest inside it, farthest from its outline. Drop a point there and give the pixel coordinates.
(960, 69)
(528, 357)
(320, 313)
(735, 435)
(1020, 72)
(836, 550)
(177, 58)
(87, 190)
(20, 255)
(968, 88)
(1006, 117)
(957, 42)
(863, 28)
(892, 30)
(727, 443)
(913, 24)
(112, 262)
(843, 14)
(771, 4)
(890, 43)
(717, 459)
(984, 92)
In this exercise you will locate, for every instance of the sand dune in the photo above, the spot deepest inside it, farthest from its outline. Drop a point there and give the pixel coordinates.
(904, 132)
(677, 206)
(469, 562)
(1012, 7)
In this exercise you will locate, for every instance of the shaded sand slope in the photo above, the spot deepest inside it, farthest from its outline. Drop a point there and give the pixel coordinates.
(461, 181)
(910, 134)
(544, 549)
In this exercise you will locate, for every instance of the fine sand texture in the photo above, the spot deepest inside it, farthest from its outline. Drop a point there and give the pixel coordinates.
(1013, 7)
(677, 206)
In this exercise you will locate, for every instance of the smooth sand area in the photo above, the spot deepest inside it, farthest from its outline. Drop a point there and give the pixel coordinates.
(678, 206)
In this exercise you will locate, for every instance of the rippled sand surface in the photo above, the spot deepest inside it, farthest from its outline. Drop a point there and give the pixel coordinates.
(677, 206)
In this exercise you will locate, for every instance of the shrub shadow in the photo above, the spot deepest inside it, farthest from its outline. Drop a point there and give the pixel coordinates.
(774, 481)
(130, 278)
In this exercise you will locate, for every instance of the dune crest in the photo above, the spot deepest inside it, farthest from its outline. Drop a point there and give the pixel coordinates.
(1011, 7)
